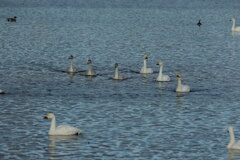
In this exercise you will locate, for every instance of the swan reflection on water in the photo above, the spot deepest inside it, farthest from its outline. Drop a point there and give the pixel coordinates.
(56, 142)
(71, 77)
(180, 99)
(233, 154)
(235, 34)
(161, 84)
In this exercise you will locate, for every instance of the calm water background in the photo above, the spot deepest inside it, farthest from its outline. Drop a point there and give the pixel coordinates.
(138, 118)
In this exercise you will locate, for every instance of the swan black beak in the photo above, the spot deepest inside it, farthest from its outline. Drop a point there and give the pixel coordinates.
(46, 117)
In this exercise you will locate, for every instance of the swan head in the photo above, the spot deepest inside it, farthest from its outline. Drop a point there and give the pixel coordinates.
(89, 61)
(116, 65)
(159, 63)
(232, 19)
(50, 115)
(145, 57)
(70, 57)
(179, 75)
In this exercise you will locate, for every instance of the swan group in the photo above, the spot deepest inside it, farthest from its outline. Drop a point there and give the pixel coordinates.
(62, 130)
(144, 70)
(232, 143)
(234, 27)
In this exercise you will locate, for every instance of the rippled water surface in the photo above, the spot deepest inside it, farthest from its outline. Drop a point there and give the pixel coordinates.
(137, 118)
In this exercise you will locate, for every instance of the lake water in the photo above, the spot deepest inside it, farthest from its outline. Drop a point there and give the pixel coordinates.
(134, 119)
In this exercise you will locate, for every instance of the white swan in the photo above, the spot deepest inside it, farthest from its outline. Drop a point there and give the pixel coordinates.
(180, 86)
(144, 69)
(71, 68)
(90, 71)
(234, 28)
(161, 77)
(117, 76)
(62, 130)
(232, 144)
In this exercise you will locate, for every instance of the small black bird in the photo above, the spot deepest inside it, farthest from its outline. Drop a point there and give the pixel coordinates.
(199, 23)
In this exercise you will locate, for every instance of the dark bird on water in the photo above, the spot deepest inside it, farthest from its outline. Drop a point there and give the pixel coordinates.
(14, 19)
(199, 23)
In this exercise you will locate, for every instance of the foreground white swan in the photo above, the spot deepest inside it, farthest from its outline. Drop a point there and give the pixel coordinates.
(232, 144)
(161, 77)
(90, 71)
(144, 69)
(117, 76)
(62, 130)
(180, 86)
(234, 27)
(71, 68)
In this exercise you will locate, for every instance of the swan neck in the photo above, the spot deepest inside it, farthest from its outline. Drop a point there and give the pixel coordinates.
(53, 125)
(89, 67)
(232, 138)
(116, 72)
(160, 70)
(71, 63)
(145, 63)
(233, 25)
(179, 83)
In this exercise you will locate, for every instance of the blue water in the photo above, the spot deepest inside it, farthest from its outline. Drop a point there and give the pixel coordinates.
(134, 119)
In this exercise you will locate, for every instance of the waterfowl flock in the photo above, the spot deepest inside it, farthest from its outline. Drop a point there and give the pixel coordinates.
(144, 70)
(69, 130)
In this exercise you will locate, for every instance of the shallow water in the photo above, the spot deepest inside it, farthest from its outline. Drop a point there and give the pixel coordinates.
(137, 118)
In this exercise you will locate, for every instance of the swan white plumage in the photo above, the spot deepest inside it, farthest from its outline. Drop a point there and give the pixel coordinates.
(161, 77)
(144, 69)
(117, 75)
(234, 27)
(71, 68)
(62, 130)
(232, 144)
(90, 71)
(180, 86)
